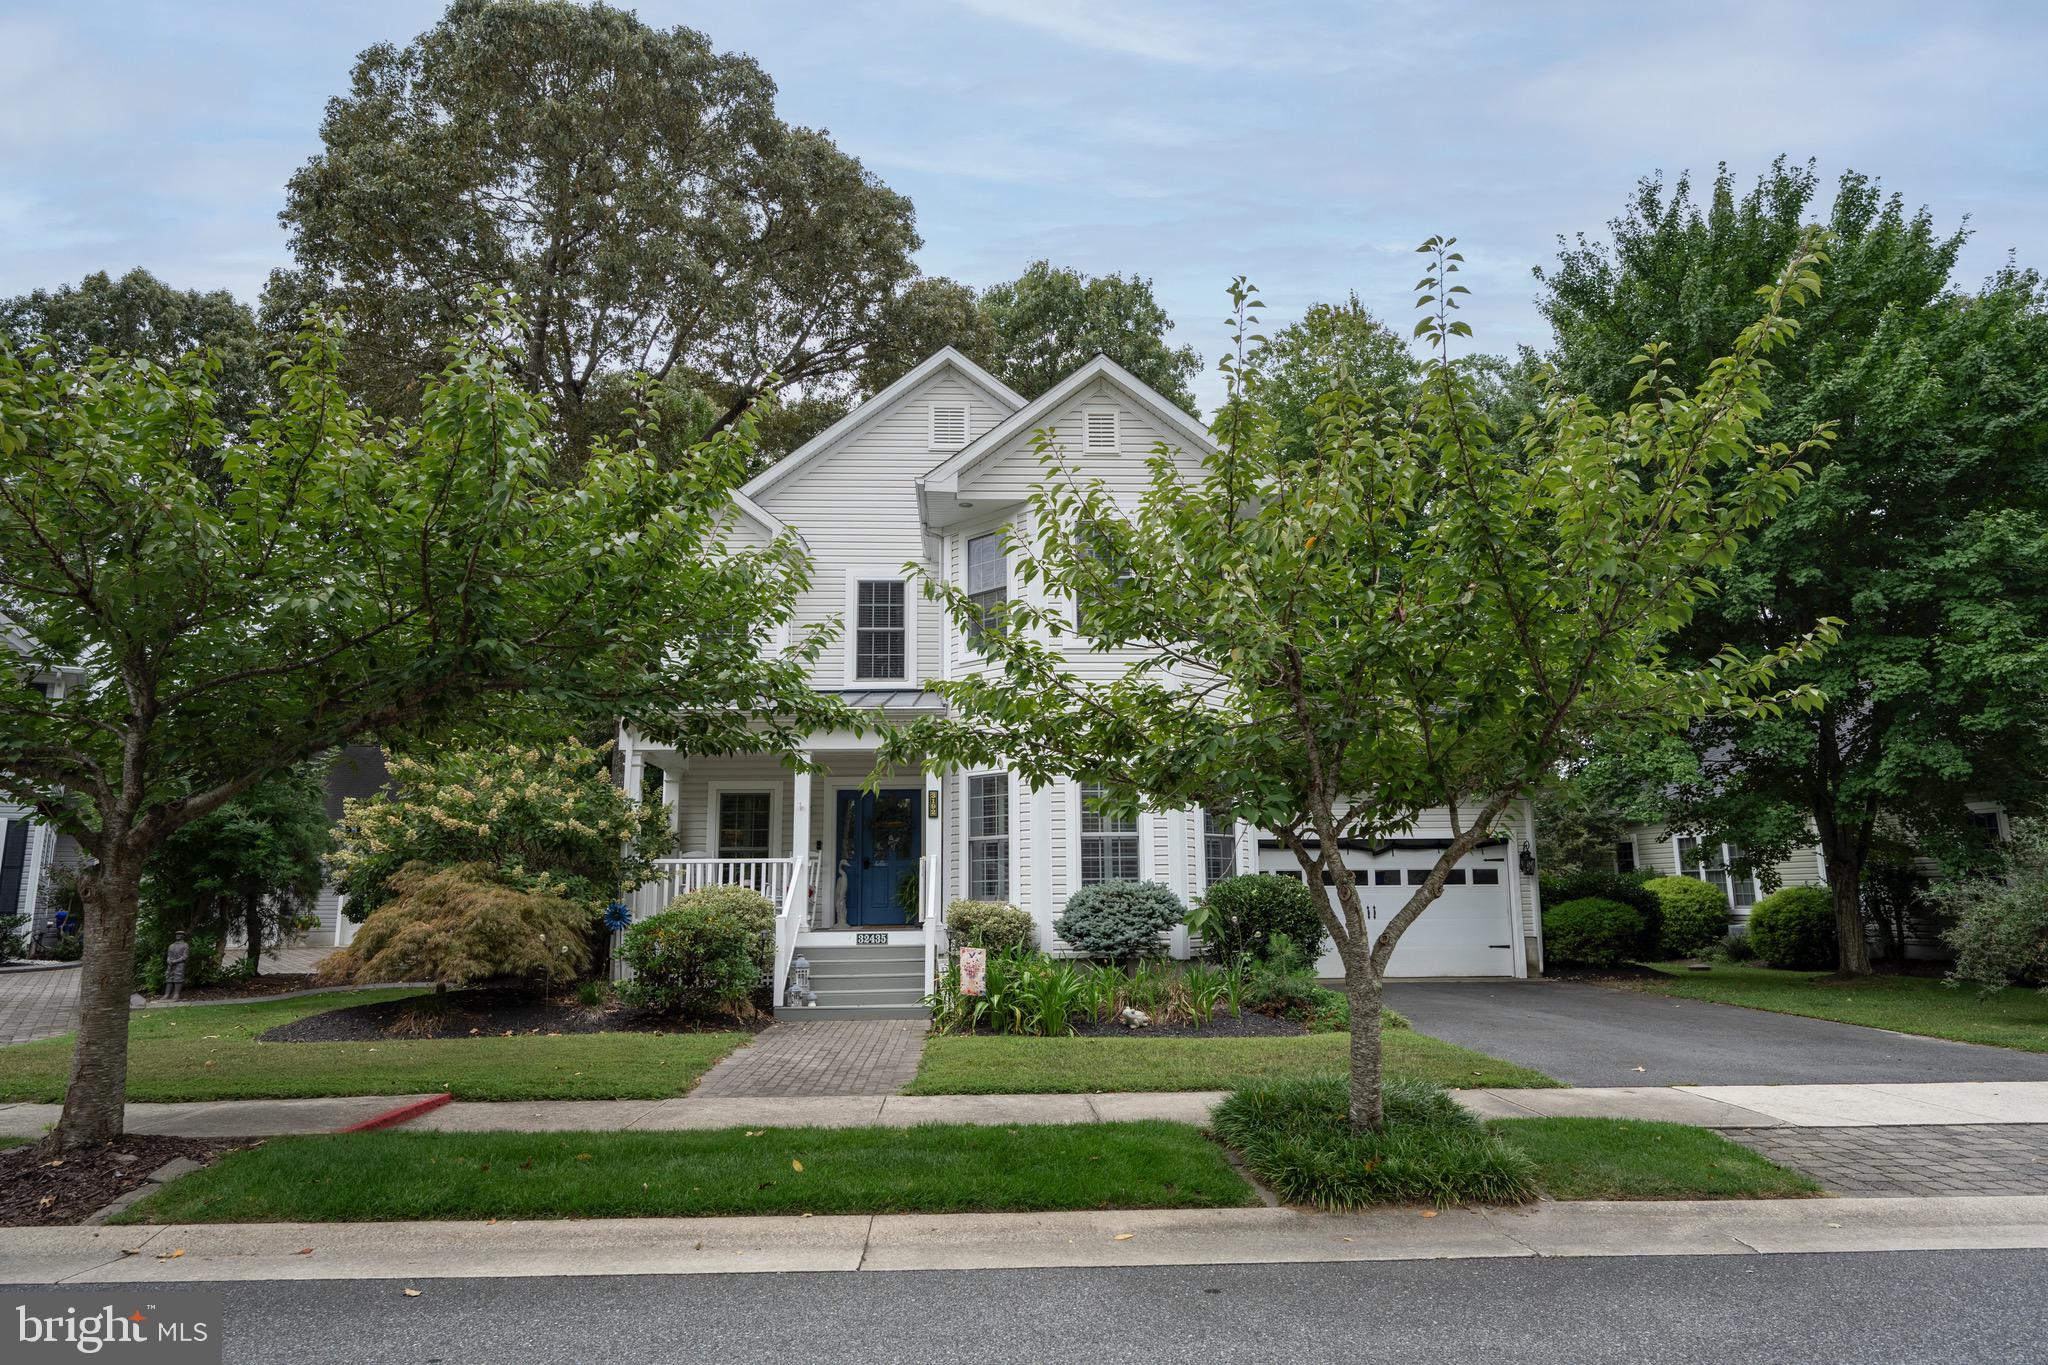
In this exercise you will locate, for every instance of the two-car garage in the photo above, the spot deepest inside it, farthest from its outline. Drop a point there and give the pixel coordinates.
(1472, 929)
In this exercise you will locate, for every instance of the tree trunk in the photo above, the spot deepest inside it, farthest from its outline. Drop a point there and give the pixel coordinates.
(252, 935)
(1852, 949)
(1362, 986)
(95, 1098)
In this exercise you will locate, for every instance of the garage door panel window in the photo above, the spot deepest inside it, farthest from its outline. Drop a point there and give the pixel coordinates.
(1109, 843)
(1486, 876)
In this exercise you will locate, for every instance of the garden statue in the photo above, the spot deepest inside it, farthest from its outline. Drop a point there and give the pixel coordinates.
(174, 966)
(1134, 1017)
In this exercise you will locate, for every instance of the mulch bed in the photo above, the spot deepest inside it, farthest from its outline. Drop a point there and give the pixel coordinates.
(1224, 1025)
(487, 1014)
(240, 987)
(36, 1191)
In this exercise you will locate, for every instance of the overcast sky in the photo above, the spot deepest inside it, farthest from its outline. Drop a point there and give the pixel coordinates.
(1307, 146)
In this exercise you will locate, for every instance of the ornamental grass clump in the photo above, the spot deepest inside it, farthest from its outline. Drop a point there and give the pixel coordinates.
(1294, 1136)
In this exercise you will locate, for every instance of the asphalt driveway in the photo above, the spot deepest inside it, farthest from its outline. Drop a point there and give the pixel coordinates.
(1591, 1035)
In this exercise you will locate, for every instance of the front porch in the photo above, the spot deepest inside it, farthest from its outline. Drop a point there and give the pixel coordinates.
(856, 875)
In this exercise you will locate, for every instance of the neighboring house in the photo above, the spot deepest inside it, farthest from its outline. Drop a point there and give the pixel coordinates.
(356, 772)
(1655, 850)
(31, 851)
(933, 470)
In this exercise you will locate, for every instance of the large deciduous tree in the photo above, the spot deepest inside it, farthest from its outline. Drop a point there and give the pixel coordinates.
(1423, 612)
(632, 185)
(1925, 525)
(1050, 321)
(342, 577)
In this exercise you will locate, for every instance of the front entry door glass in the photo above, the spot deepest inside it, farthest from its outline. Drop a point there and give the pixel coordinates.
(880, 834)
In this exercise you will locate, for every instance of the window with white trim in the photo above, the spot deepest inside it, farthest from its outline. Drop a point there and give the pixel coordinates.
(988, 585)
(988, 837)
(1625, 855)
(1219, 847)
(949, 426)
(1100, 429)
(745, 821)
(1716, 865)
(1109, 843)
(881, 631)
(1986, 824)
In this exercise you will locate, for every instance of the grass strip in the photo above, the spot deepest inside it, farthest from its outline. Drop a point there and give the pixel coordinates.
(1583, 1158)
(2015, 1017)
(935, 1168)
(210, 1052)
(1005, 1065)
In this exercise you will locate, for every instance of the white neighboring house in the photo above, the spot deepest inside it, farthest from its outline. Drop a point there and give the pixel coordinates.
(933, 470)
(31, 850)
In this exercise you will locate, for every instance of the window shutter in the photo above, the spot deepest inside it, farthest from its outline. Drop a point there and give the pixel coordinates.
(1101, 427)
(949, 426)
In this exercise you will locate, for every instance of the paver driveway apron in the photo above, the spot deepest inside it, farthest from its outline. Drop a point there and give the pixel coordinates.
(38, 1004)
(1590, 1035)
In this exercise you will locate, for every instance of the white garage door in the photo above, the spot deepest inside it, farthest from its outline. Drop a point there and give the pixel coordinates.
(1470, 930)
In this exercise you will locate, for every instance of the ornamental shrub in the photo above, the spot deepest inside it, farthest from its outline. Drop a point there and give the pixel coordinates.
(1591, 932)
(700, 956)
(2000, 934)
(1794, 928)
(744, 904)
(1241, 915)
(458, 925)
(1695, 915)
(1629, 888)
(1120, 921)
(994, 925)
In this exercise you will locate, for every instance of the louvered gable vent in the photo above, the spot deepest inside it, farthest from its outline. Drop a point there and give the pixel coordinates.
(1101, 430)
(949, 426)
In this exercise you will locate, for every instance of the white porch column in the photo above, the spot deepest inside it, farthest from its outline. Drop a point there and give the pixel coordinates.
(935, 835)
(800, 811)
(671, 797)
(1178, 875)
(633, 766)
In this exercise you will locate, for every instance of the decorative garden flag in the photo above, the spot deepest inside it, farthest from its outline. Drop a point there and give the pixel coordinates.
(974, 971)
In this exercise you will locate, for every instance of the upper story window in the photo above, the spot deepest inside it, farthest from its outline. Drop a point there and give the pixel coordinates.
(1715, 863)
(988, 837)
(1219, 847)
(1109, 843)
(949, 426)
(988, 585)
(881, 630)
(1100, 429)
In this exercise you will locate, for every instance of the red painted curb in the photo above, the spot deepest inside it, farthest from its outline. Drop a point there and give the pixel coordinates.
(399, 1115)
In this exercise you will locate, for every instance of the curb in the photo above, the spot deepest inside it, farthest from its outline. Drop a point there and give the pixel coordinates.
(404, 1113)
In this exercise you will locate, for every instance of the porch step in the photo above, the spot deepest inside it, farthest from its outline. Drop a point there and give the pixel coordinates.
(912, 953)
(822, 1013)
(876, 982)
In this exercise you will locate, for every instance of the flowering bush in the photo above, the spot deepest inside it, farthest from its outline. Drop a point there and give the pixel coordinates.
(457, 925)
(527, 814)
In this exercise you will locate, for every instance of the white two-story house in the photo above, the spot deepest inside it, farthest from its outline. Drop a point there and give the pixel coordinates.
(933, 470)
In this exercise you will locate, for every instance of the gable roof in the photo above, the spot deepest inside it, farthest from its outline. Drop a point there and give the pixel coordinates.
(763, 518)
(870, 408)
(946, 477)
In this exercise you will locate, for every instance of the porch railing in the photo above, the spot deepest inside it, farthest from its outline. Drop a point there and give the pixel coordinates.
(931, 910)
(772, 877)
(791, 915)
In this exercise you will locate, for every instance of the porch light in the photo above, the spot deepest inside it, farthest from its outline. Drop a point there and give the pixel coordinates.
(1528, 861)
(800, 992)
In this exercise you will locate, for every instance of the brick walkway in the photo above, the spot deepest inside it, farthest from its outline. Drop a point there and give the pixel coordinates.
(1984, 1158)
(858, 1057)
(37, 1004)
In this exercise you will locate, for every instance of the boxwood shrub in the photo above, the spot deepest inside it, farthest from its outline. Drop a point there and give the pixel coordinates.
(1794, 928)
(994, 925)
(1245, 913)
(702, 955)
(1591, 932)
(1695, 915)
(1629, 888)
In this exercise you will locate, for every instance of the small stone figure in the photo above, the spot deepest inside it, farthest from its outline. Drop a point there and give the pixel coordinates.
(1134, 1017)
(174, 966)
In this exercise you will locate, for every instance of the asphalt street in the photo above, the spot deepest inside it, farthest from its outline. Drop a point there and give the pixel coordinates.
(1590, 1035)
(1907, 1307)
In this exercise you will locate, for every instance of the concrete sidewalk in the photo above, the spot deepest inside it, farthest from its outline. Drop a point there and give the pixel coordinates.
(1728, 1107)
(693, 1246)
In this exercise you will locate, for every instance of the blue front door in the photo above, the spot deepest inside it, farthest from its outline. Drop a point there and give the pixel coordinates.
(879, 838)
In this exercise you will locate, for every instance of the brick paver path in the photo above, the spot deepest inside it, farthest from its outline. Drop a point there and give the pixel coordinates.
(854, 1057)
(37, 1004)
(1981, 1158)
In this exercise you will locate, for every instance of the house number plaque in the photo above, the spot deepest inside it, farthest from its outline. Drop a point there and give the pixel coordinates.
(882, 939)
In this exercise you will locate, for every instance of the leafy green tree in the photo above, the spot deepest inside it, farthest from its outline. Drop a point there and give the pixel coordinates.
(1426, 613)
(253, 864)
(350, 578)
(1925, 525)
(1050, 321)
(634, 187)
(139, 315)
(1332, 346)
(926, 316)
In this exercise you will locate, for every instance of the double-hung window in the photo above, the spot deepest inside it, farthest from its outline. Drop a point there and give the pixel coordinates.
(1219, 847)
(1716, 865)
(881, 630)
(744, 820)
(988, 585)
(1109, 843)
(988, 837)
(1625, 855)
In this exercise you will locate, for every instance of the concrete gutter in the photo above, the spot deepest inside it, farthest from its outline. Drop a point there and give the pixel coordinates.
(697, 1246)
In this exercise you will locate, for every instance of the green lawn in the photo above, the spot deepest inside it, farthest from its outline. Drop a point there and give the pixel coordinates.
(937, 1168)
(210, 1052)
(2014, 1017)
(1008, 1065)
(1635, 1159)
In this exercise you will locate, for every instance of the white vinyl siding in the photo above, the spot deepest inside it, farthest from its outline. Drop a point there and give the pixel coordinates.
(988, 837)
(1109, 844)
